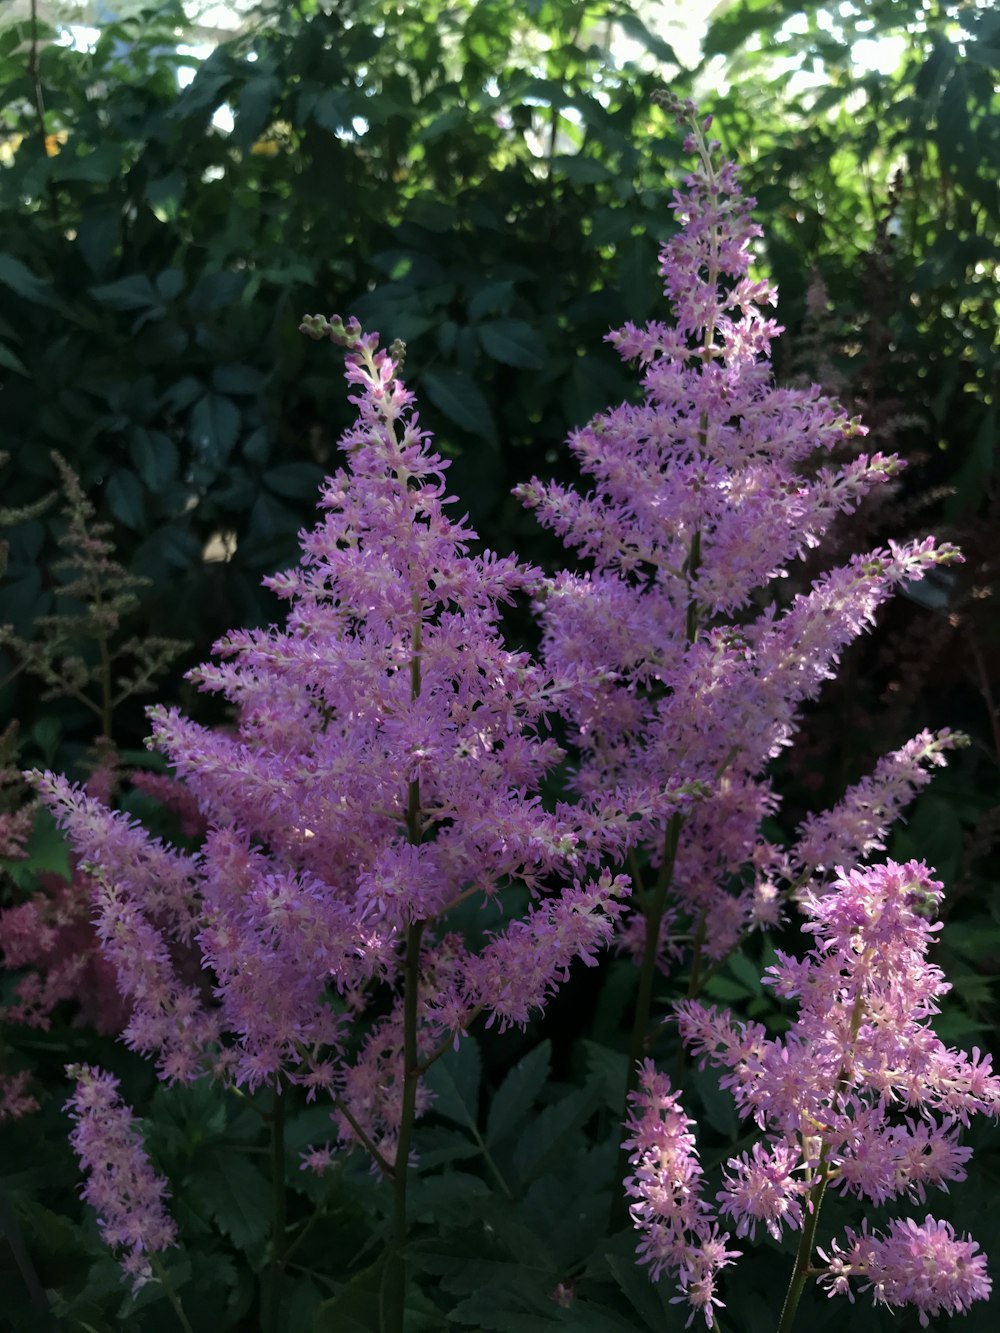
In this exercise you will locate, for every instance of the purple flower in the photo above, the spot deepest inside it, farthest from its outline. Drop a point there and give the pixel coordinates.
(677, 663)
(383, 765)
(923, 1264)
(122, 1188)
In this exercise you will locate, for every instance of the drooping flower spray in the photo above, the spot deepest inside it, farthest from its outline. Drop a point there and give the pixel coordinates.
(676, 659)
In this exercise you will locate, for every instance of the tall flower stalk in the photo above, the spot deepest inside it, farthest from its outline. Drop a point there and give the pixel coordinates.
(677, 658)
(383, 768)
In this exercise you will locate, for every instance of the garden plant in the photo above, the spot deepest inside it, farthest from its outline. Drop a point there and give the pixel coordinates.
(470, 946)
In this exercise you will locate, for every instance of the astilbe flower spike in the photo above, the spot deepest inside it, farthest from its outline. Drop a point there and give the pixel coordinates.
(384, 766)
(702, 495)
(122, 1187)
(859, 1095)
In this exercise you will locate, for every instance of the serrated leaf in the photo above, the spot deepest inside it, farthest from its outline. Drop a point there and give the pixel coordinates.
(633, 26)
(257, 446)
(745, 972)
(638, 1290)
(516, 1095)
(238, 1198)
(720, 1108)
(454, 1079)
(332, 111)
(312, 1126)
(609, 1069)
(445, 1196)
(724, 988)
(513, 342)
(551, 1127)
(169, 283)
(457, 397)
(253, 110)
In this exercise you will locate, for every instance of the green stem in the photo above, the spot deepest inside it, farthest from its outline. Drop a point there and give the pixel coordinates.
(172, 1297)
(382, 1162)
(801, 1271)
(644, 1000)
(271, 1292)
(394, 1278)
(316, 1216)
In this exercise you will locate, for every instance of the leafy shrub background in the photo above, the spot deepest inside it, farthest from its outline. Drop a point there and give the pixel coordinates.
(487, 182)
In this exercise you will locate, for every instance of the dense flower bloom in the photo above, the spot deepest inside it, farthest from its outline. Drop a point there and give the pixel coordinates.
(384, 766)
(859, 1095)
(678, 1234)
(122, 1187)
(923, 1264)
(701, 495)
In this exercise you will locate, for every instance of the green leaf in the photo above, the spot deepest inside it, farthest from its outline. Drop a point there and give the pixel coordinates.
(447, 1197)
(454, 1079)
(746, 972)
(637, 282)
(633, 26)
(170, 283)
(101, 166)
(457, 397)
(720, 1108)
(238, 1198)
(215, 423)
(609, 1069)
(10, 361)
(296, 481)
(333, 111)
(22, 281)
(636, 1286)
(552, 1127)
(451, 119)
(516, 1095)
(254, 109)
(257, 446)
(165, 195)
(46, 850)
(513, 342)
(237, 379)
(125, 500)
(135, 292)
(154, 456)
(582, 169)
(494, 296)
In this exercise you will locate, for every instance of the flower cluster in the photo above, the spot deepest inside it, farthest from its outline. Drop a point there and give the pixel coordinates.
(674, 662)
(383, 767)
(679, 1235)
(923, 1264)
(122, 1187)
(860, 1095)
